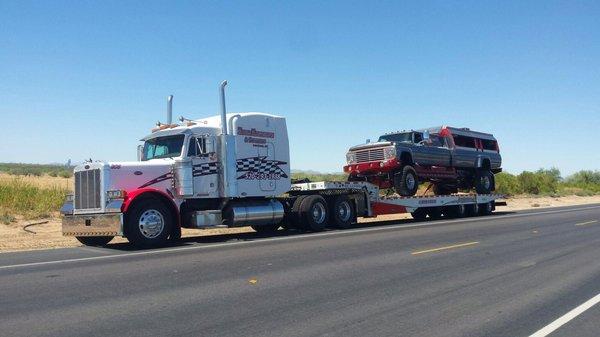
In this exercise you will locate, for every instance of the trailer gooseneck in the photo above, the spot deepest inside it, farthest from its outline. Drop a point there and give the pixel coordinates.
(230, 170)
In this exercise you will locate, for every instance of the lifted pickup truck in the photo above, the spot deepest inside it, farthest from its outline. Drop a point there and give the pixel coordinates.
(451, 158)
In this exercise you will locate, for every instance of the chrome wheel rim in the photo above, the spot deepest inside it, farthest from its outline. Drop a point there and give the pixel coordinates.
(318, 212)
(344, 211)
(485, 181)
(410, 181)
(151, 223)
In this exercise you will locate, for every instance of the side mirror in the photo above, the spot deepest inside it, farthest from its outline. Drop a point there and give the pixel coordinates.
(367, 141)
(140, 152)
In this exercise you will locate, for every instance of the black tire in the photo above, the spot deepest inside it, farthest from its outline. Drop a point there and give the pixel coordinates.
(266, 229)
(459, 211)
(406, 182)
(342, 213)
(314, 213)
(435, 213)
(441, 189)
(419, 214)
(294, 220)
(472, 210)
(94, 241)
(487, 208)
(484, 182)
(148, 223)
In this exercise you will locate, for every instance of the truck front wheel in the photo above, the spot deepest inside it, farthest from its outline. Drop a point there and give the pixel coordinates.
(94, 241)
(406, 182)
(148, 223)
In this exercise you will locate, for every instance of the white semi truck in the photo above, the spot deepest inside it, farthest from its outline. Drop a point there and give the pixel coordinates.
(231, 170)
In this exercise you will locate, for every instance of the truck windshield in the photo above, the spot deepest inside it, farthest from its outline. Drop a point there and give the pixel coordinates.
(397, 137)
(163, 147)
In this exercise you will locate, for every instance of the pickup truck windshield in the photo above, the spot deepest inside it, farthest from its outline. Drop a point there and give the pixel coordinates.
(163, 147)
(405, 137)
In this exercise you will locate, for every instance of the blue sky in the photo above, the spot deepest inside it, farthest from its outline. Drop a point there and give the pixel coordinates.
(88, 79)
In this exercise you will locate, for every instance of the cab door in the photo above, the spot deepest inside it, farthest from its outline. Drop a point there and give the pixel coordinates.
(267, 183)
(205, 166)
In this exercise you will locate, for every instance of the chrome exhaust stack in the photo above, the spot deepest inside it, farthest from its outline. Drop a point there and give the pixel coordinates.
(169, 109)
(223, 109)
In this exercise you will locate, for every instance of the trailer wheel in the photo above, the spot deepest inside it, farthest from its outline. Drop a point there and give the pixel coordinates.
(148, 223)
(435, 213)
(459, 211)
(472, 210)
(94, 241)
(314, 213)
(487, 208)
(406, 182)
(419, 214)
(342, 213)
(266, 229)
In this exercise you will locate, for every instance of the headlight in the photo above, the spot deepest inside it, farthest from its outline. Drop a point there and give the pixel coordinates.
(389, 152)
(350, 157)
(115, 194)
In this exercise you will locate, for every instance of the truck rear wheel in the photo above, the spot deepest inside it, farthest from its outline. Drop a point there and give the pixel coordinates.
(314, 213)
(406, 182)
(148, 223)
(484, 181)
(94, 241)
(293, 218)
(342, 213)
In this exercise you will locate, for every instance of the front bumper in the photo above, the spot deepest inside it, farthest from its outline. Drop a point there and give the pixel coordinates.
(373, 167)
(104, 224)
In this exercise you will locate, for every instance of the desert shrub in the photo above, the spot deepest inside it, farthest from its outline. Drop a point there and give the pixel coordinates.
(508, 184)
(540, 182)
(31, 201)
(315, 176)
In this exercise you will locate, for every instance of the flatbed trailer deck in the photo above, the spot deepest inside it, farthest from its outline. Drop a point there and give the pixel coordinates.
(370, 203)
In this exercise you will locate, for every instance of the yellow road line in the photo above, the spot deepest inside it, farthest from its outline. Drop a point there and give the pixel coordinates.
(586, 223)
(444, 248)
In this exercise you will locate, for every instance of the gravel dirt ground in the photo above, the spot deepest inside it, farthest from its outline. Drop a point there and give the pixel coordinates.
(46, 233)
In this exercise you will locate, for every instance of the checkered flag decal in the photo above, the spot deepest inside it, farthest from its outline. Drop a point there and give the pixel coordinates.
(260, 165)
(206, 169)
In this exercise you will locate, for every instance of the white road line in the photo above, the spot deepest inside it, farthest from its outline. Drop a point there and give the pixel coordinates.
(548, 329)
(295, 237)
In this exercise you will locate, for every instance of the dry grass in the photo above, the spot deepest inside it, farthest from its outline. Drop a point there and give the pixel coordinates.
(43, 181)
(31, 197)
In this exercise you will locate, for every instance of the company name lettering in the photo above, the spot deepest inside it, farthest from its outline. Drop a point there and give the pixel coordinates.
(255, 133)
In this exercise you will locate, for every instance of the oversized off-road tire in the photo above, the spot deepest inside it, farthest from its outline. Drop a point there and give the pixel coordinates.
(484, 182)
(406, 182)
(266, 229)
(94, 241)
(341, 212)
(441, 189)
(148, 223)
(314, 213)
(419, 214)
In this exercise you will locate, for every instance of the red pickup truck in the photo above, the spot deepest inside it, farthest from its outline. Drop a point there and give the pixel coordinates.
(450, 158)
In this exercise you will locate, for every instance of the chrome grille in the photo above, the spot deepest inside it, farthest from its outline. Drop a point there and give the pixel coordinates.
(87, 189)
(369, 155)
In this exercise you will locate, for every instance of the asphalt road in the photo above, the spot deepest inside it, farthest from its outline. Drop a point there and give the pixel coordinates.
(510, 274)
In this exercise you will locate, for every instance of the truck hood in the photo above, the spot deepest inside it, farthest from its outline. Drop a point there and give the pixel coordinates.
(129, 176)
(370, 146)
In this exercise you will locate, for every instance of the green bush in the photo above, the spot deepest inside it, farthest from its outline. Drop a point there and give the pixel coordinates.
(540, 182)
(508, 184)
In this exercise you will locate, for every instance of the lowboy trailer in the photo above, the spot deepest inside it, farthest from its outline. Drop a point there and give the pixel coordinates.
(226, 171)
